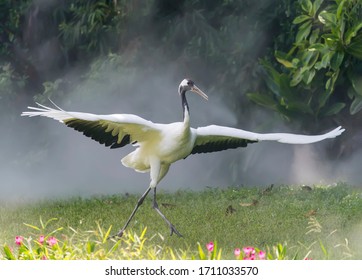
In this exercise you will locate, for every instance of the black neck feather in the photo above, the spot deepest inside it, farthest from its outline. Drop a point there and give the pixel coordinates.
(185, 105)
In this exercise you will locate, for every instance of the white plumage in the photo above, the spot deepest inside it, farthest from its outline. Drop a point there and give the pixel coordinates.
(159, 145)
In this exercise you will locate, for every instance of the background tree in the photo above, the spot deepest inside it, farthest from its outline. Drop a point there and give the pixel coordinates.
(300, 58)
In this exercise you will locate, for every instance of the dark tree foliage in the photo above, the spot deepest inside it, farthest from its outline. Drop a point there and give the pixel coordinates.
(299, 58)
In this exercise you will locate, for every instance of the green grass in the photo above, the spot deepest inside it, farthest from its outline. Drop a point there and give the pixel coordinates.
(331, 216)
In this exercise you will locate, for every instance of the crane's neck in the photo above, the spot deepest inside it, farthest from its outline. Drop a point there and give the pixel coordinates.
(185, 108)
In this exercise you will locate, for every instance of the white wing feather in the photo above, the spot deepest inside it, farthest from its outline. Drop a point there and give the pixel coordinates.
(215, 138)
(114, 130)
(214, 131)
(61, 115)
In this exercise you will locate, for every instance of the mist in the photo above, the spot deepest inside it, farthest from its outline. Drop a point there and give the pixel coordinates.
(42, 158)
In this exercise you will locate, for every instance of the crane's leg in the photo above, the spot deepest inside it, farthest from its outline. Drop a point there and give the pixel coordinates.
(157, 172)
(139, 203)
(155, 206)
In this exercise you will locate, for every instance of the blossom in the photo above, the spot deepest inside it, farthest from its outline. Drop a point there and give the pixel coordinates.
(249, 251)
(237, 252)
(52, 241)
(262, 255)
(210, 246)
(19, 240)
(41, 239)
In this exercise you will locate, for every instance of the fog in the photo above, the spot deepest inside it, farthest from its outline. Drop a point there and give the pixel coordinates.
(42, 158)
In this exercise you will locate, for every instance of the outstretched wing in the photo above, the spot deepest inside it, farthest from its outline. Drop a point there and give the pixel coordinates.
(115, 130)
(215, 138)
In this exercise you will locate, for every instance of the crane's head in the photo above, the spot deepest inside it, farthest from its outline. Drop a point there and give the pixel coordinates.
(188, 85)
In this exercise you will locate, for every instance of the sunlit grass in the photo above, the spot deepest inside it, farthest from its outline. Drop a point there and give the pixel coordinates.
(286, 222)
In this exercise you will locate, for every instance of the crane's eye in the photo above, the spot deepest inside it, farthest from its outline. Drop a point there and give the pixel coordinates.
(190, 83)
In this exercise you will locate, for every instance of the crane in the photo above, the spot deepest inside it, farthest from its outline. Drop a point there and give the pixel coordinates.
(160, 145)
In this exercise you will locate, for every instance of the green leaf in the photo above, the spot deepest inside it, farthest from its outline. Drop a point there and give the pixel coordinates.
(214, 251)
(304, 31)
(331, 82)
(352, 32)
(327, 18)
(143, 234)
(48, 222)
(9, 255)
(309, 58)
(297, 77)
(282, 58)
(356, 105)
(301, 18)
(218, 257)
(307, 6)
(334, 109)
(357, 84)
(331, 40)
(317, 46)
(314, 36)
(355, 47)
(340, 9)
(326, 60)
(262, 99)
(90, 246)
(325, 252)
(105, 238)
(33, 227)
(54, 231)
(316, 5)
(201, 252)
(308, 76)
(271, 77)
(337, 60)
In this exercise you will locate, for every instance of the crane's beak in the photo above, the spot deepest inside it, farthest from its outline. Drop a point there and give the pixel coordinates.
(199, 92)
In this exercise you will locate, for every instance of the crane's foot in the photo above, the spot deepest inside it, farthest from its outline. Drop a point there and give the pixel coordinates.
(174, 230)
(118, 235)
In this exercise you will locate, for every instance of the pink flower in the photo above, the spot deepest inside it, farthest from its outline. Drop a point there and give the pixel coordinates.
(19, 240)
(41, 239)
(52, 241)
(210, 246)
(237, 252)
(249, 251)
(262, 255)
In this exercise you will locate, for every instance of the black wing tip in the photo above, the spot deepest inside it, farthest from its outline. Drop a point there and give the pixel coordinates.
(221, 146)
(96, 131)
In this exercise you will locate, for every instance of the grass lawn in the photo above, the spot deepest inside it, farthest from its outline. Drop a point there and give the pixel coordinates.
(319, 222)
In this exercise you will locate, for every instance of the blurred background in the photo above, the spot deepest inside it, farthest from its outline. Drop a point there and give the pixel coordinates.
(267, 66)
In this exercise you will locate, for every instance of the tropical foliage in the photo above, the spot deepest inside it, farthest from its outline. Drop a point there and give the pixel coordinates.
(320, 74)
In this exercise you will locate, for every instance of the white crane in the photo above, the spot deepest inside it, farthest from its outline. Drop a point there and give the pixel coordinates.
(159, 145)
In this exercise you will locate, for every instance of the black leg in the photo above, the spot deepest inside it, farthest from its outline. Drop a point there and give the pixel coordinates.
(155, 206)
(139, 203)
